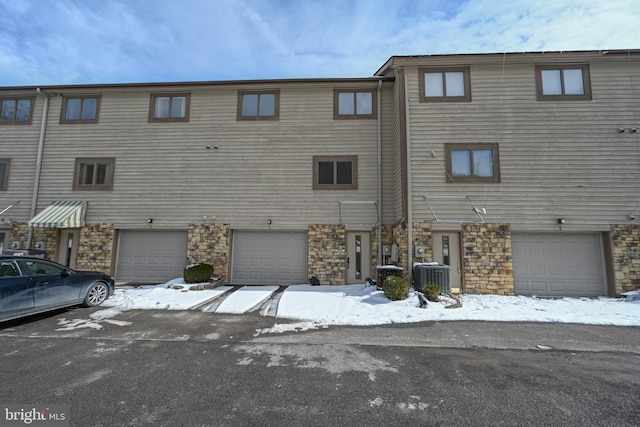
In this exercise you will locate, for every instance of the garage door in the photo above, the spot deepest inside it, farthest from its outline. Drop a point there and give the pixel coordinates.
(151, 256)
(558, 265)
(267, 258)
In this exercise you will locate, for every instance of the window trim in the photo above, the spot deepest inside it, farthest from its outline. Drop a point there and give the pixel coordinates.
(354, 172)
(152, 107)
(63, 110)
(355, 115)
(5, 186)
(16, 99)
(466, 75)
(276, 110)
(494, 147)
(94, 160)
(586, 81)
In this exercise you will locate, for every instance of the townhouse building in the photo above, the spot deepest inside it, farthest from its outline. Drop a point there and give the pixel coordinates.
(520, 171)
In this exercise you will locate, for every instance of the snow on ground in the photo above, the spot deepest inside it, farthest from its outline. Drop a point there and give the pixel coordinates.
(320, 306)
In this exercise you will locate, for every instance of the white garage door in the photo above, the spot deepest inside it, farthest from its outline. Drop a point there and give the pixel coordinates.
(267, 258)
(558, 265)
(151, 256)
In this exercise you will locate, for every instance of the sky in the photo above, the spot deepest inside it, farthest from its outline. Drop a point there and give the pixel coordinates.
(305, 307)
(57, 42)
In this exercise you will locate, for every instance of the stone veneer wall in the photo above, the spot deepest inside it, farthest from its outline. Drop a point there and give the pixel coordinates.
(327, 257)
(209, 243)
(487, 259)
(625, 248)
(49, 236)
(95, 251)
(422, 237)
(401, 238)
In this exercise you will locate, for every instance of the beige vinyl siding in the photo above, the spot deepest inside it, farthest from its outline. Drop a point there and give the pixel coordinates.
(261, 170)
(390, 155)
(20, 144)
(557, 159)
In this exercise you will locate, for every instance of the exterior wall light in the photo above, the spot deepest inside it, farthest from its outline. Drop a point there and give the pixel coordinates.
(561, 221)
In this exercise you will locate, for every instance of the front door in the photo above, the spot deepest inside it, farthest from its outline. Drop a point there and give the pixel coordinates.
(69, 242)
(358, 256)
(446, 250)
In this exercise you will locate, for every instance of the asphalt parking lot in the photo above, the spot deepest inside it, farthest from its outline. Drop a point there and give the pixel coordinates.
(191, 368)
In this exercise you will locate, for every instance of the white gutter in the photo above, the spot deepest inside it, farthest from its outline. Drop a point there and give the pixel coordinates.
(380, 251)
(409, 204)
(36, 179)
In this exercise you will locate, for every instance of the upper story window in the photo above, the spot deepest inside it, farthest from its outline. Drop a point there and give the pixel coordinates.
(94, 174)
(172, 107)
(16, 111)
(563, 82)
(354, 104)
(4, 174)
(80, 109)
(263, 105)
(472, 163)
(445, 84)
(335, 172)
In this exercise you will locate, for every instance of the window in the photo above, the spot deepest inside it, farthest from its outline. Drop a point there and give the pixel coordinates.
(258, 105)
(472, 163)
(445, 85)
(173, 107)
(335, 173)
(4, 174)
(563, 82)
(94, 174)
(81, 109)
(16, 111)
(354, 104)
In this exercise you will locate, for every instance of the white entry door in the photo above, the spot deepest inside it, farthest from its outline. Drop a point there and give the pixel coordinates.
(358, 256)
(446, 250)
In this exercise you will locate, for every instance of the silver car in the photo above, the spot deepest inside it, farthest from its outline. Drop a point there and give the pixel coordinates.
(33, 285)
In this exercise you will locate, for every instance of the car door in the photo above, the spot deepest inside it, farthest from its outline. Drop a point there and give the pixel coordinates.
(16, 291)
(51, 287)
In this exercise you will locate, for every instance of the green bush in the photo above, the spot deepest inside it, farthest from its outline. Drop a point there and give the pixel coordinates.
(395, 288)
(197, 273)
(431, 292)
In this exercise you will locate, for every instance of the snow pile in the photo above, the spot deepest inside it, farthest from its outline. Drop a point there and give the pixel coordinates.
(360, 305)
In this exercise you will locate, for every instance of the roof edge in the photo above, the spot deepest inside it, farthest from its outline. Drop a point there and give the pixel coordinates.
(394, 61)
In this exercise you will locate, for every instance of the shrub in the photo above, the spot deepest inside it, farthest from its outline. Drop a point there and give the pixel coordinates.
(395, 288)
(197, 273)
(431, 292)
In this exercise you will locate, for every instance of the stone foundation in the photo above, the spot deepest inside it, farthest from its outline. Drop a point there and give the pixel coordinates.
(209, 243)
(327, 256)
(48, 236)
(625, 248)
(95, 252)
(487, 259)
(401, 238)
(422, 237)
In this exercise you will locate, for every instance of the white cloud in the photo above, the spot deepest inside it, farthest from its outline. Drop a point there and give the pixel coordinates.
(79, 41)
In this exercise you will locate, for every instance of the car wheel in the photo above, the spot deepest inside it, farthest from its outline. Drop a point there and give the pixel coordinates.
(96, 295)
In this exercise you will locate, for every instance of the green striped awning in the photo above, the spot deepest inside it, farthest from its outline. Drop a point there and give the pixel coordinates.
(61, 214)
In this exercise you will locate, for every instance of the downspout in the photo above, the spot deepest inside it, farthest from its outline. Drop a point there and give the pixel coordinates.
(380, 251)
(36, 179)
(409, 204)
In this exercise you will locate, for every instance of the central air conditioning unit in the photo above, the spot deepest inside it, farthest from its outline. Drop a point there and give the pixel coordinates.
(427, 273)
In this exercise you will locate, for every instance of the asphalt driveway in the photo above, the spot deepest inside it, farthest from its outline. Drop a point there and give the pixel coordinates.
(192, 368)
